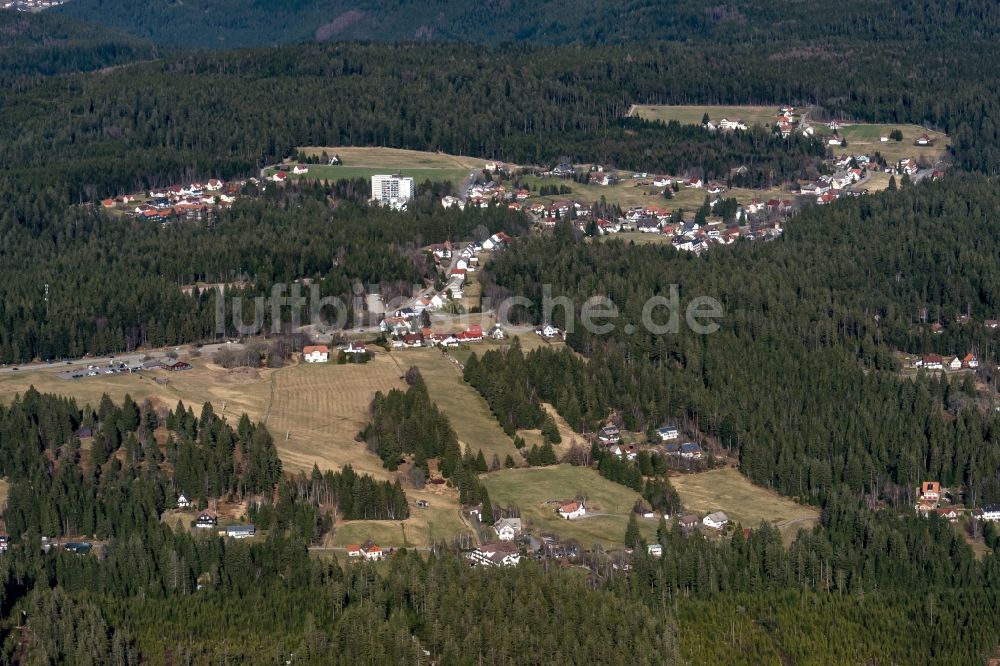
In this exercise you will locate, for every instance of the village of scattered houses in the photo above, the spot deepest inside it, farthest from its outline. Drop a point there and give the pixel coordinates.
(758, 219)
(191, 201)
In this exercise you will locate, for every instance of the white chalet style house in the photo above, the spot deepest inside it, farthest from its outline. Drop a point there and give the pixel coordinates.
(495, 555)
(315, 353)
(732, 124)
(572, 510)
(654, 549)
(715, 520)
(989, 513)
(183, 502)
(507, 529)
(668, 433)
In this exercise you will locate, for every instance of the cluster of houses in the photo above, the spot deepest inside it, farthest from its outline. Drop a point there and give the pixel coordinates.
(754, 221)
(929, 501)
(425, 337)
(610, 437)
(193, 200)
(930, 494)
(483, 195)
(30, 5)
(785, 123)
(506, 549)
(938, 362)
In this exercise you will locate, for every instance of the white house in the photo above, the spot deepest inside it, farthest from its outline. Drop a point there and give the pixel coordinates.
(356, 348)
(990, 513)
(572, 510)
(654, 549)
(279, 176)
(183, 502)
(715, 520)
(495, 555)
(548, 331)
(369, 550)
(240, 531)
(732, 124)
(315, 353)
(955, 363)
(299, 169)
(496, 333)
(932, 362)
(507, 529)
(668, 433)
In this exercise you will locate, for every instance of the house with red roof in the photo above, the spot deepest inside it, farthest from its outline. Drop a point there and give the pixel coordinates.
(572, 510)
(930, 492)
(315, 353)
(932, 362)
(369, 550)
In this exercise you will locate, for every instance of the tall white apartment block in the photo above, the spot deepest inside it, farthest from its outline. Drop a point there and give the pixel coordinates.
(392, 190)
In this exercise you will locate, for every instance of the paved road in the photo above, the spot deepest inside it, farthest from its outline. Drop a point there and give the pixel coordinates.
(129, 358)
(463, 189)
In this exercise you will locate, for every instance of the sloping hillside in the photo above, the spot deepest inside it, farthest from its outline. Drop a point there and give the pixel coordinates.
(228, 23)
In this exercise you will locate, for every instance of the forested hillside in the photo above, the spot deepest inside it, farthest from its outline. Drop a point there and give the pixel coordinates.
(230, 23)
(45, 44)
(156, 592)
(800, 379)
(102, 300)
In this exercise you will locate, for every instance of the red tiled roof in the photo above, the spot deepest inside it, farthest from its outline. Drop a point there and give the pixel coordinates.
(308, 349)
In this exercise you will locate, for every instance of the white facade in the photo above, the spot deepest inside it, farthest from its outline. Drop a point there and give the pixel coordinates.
(316, 355)
(572, 510)
(991, 513)
(507, 529)
(391, 190)
(715, 520)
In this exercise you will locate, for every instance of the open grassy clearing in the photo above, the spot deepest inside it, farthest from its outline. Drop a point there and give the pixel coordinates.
(538, 491)
(637, 237)
(322, 407)
(628, 192)
(865, 138)
(729, 491)
(693, 114)
(395, 158)
(439, 522)
(877, 181)
(367, 162)
(471, 417)
(332, 173)
(231, 392)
